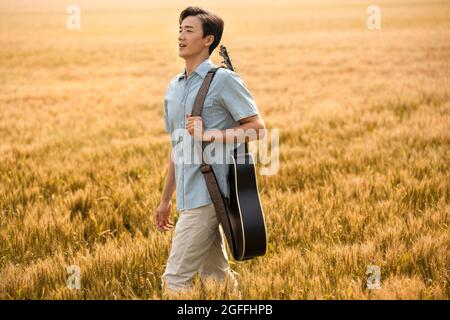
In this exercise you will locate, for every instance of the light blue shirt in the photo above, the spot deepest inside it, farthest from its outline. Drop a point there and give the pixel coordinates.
(228, 100)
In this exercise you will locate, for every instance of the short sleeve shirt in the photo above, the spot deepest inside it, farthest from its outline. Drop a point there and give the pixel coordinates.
(228, 101)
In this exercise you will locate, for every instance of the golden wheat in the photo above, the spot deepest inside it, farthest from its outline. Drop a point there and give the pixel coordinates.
(364, 119)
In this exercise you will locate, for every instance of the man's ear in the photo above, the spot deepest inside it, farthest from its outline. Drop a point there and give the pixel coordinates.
(210, 40)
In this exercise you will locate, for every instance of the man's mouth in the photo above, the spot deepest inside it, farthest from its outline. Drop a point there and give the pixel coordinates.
(181, 45)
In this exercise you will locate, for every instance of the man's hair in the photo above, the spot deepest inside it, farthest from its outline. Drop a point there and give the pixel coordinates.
(212, 24)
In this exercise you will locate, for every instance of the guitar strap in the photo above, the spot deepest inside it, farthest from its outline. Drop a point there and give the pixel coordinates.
(219, 201)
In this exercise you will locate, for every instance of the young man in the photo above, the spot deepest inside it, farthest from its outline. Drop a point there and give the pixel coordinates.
(198, 244)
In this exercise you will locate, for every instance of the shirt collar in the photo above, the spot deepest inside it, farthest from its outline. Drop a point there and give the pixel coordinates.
(202, 69)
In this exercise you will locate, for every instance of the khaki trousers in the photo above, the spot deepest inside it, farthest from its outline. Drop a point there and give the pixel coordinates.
(197, 246)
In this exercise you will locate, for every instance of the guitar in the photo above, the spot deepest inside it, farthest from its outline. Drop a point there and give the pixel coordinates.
(245, 213)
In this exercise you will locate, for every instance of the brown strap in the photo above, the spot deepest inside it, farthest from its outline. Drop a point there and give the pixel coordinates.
(200, 100)
(208, 173)
(202, 92)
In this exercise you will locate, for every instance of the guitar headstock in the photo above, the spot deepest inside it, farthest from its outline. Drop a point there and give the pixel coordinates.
(226, 58)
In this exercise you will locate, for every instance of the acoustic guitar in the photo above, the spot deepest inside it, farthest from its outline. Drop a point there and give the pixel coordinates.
(244, 208)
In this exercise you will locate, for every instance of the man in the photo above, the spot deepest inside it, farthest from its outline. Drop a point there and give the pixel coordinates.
(198, 242)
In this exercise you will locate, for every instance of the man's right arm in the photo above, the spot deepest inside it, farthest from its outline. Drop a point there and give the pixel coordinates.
(170, 185)
(163, 212)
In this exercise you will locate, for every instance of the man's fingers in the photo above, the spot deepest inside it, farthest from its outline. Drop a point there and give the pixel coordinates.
(190, 127)
(163, 227)
(163, 223)
(166, 227)
(168, 222)
(194, 119)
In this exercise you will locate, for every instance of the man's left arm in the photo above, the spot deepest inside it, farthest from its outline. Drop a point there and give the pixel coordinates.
(237, 99)
(250, 128)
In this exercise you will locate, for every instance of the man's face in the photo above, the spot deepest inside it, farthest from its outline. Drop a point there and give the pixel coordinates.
(190, 38)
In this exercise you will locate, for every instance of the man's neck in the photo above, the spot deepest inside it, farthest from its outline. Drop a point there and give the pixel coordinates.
(193, 63)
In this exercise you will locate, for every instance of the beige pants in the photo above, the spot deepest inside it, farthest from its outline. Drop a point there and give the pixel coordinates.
(197, 246)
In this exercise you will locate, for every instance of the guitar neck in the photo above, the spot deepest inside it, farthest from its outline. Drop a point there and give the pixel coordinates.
(226, 58)
(229, 65)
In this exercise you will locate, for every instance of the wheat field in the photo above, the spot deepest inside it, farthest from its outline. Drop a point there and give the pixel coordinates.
(363, 117)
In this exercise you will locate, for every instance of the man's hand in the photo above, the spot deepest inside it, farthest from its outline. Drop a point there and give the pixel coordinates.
(195, 127)
(163, 219)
